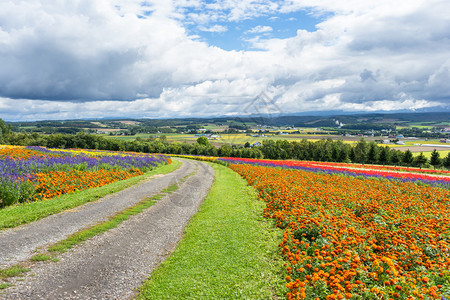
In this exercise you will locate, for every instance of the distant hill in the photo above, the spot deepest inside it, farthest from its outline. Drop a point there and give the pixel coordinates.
(374, 120)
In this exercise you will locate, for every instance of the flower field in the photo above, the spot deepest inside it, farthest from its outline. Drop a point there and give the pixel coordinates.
(439, 178)
(351, 237)
(35, 173)
(356, 231)
(350, 170)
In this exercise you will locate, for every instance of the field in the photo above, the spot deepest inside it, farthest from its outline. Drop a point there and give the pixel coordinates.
(240, 139)
(29, 174)
(344, 231)
(356, 233)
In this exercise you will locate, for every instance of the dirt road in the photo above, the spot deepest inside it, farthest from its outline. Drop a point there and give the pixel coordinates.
(113, 265)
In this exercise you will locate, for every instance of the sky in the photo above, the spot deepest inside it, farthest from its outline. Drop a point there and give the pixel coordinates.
(191, 58)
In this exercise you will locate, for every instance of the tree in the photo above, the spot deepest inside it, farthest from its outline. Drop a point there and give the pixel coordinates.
(384, 155)
(361, 151)
(247, 145)
(343, 154)
(396, 156)
(270, 149)
(435, 159)
(335, 152)
(351, 155)
(420, 160)
(203, 140)
(408, 157)
(5, 130)
(225, 150)
(446, 161)
(372, 155)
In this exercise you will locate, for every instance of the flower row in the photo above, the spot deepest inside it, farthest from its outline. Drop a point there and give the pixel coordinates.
(345, 169)
(35, 173)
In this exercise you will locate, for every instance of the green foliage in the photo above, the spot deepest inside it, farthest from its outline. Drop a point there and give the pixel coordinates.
(4, 285)
(40, 257)
(203, 140)
(373, 154)
(5, 130)
(446, 161)
(12, 192)
(435, 159)
(361, 151)
(384, 155)
(420, 160)
(225, 150)
(321, 150)
(12, 271)
(408, 157)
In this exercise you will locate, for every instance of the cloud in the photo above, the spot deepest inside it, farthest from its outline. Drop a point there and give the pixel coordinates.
(260, 29)
(124, 58)
(215, 28)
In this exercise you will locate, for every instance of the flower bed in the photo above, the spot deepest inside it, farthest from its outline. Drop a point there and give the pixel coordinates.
(345, 169)
(36, 173)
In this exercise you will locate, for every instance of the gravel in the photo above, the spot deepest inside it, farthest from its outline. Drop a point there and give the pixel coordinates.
(113, 265)
(18, 244)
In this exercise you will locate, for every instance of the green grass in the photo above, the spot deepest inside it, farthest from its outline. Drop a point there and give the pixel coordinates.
(12, 271)
(16, 215)
(4, 285)
(40, 257)
(229, 251)
(170, 189)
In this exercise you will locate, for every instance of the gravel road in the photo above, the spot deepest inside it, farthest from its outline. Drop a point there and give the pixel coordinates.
(112, 265)
(18, 244)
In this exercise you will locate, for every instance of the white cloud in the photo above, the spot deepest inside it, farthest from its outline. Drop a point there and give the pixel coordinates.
(215, 28)
(260, 29)
(74, 59)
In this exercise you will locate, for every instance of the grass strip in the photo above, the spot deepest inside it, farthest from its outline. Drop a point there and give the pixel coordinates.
(229, 251)
(12, 271)
(83, 235)
(4, 285)
(114, 221)
(24, 213)
(40, 257)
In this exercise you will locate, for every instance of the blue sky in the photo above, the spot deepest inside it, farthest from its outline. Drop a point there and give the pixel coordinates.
(237, 33)
(194, 58)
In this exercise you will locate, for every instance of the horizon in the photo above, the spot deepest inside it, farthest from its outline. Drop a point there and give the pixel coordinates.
(318, 114)
(212, 59)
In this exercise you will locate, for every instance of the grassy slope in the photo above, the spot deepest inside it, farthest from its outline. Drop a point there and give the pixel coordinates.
(16, 215)
(228, 251)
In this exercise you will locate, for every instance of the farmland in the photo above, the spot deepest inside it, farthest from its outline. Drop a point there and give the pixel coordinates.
(337, 230)
(29, 174)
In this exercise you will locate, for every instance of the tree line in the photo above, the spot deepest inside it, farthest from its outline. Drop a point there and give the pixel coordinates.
(323, 150)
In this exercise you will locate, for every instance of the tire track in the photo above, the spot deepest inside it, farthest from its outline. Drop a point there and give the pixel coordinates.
(114, 265)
